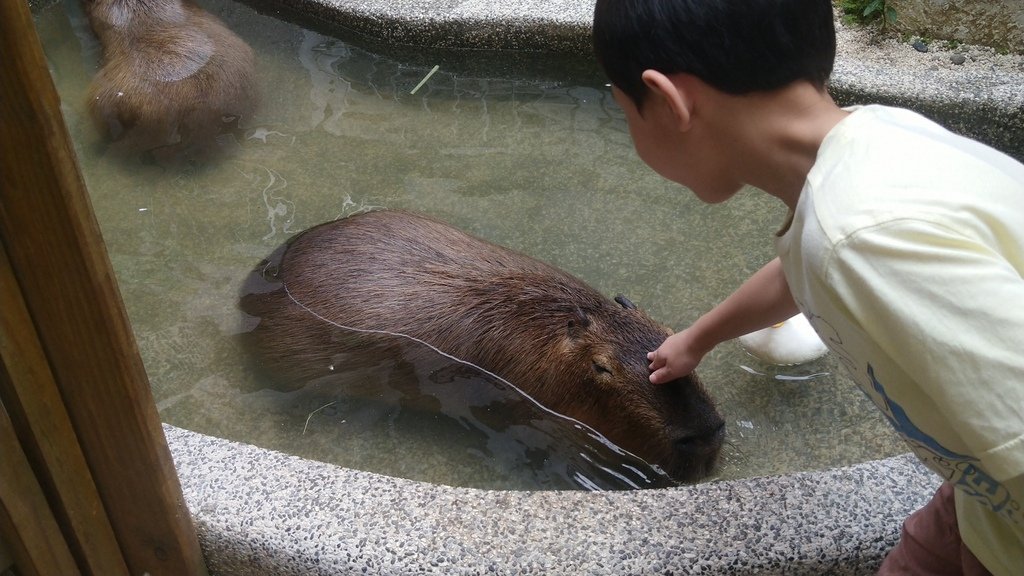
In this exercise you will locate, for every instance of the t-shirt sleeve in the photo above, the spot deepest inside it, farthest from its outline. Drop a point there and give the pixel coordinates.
(948, 307)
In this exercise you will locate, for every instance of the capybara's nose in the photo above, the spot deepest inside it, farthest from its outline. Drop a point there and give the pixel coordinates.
(703, 441)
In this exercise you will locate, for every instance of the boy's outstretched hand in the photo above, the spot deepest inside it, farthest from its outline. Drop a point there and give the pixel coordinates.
(677, 356)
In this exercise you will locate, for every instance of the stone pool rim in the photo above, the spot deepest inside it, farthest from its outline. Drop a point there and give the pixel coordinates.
(262, 512)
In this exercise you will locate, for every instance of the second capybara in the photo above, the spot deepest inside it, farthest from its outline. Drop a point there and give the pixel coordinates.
(545, 331)
(173, 77)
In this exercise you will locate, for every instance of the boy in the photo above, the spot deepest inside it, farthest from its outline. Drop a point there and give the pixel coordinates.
(904, 246)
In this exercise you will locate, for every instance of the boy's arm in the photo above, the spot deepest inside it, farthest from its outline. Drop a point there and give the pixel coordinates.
(763, 300)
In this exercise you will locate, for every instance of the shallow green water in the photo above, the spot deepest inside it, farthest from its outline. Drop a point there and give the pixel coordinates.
(544, 166)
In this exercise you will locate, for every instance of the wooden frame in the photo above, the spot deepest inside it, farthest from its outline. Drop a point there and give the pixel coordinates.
(87, 477)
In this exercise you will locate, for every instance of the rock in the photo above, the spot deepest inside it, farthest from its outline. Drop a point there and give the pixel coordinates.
(995, 23)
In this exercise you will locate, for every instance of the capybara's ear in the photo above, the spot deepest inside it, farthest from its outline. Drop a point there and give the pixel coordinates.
(578, 323)
(625, 302)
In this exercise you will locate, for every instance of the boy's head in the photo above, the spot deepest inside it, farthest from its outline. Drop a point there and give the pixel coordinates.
(735, 46)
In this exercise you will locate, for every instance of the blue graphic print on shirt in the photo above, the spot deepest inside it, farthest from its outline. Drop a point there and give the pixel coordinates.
(962, 470)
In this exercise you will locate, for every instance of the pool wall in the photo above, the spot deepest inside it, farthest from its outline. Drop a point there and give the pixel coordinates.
(262, 512)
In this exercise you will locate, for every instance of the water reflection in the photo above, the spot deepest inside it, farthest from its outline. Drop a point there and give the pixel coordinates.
(329, 91)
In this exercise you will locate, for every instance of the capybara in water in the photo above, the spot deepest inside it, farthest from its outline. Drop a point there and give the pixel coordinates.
(546, 332)
(172, 78)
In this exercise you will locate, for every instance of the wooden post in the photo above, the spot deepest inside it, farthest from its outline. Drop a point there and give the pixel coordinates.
(25, 519)
(47, 438)
(60, 264)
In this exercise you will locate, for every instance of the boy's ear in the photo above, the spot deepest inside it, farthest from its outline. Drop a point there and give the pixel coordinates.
(676, 97)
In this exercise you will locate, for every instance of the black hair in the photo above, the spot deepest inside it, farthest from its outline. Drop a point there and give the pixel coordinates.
(735, 46)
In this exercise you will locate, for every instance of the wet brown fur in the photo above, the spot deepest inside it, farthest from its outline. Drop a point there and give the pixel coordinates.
(572, 349)
(173, 77)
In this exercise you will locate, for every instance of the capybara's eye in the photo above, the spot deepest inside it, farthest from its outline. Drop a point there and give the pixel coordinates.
(601, 369)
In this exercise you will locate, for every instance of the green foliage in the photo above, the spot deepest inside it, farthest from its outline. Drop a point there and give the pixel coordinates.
(867, 11)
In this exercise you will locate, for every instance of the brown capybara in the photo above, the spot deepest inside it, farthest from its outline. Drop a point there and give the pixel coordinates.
(172, 78)
(546, 332)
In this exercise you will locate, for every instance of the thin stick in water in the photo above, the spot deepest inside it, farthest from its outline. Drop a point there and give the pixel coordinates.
(314, 412)
(425, 78)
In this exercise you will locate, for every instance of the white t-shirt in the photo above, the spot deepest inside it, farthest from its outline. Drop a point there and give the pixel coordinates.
(906, 253)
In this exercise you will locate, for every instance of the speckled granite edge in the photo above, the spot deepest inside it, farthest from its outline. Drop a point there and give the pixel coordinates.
(263, 512)
(979, 100)
(538, 25)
